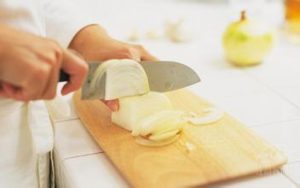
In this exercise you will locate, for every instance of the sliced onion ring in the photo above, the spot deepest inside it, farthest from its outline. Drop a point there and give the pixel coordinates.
(214, 115)
(146, 142)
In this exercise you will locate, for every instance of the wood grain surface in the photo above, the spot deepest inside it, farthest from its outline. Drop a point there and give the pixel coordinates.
(220, 151)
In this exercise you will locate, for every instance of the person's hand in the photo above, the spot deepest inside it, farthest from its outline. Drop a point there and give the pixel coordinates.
(93, 43)
(30, 65)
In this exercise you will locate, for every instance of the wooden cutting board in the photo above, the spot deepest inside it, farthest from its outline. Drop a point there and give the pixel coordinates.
(221, 151)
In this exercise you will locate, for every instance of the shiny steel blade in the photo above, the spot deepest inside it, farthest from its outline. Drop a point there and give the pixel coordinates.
(99, 91)
(167, 75)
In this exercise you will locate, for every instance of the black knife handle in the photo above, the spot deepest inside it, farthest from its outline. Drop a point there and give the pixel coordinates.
(63, 77)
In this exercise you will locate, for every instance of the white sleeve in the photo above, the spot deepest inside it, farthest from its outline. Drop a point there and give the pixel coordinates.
(63, 20)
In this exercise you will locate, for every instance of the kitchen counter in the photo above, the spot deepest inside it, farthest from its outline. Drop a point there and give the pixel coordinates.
(266, 98)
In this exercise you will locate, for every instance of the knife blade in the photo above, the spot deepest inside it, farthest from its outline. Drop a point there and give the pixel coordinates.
(162, 76)
(166, 76)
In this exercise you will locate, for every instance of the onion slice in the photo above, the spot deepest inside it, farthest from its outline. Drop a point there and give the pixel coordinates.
(146, 142)
(214, 115)
(165, 135)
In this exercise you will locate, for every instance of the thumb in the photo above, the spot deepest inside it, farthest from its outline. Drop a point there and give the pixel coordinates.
(76, 68)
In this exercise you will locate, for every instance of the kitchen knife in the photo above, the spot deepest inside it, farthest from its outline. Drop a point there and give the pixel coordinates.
(163, 76)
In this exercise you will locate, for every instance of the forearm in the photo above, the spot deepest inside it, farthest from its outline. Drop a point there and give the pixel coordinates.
(89, 41)
(93, 43)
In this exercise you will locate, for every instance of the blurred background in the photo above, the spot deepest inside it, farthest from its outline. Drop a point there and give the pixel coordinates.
(146, 21)
(121, 17)
(191, 32)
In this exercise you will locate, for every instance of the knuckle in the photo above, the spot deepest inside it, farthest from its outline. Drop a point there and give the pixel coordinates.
(56, 48)
(51, 59)
(139, 47)
(40, 73)
(84, 68)
(50, 95)
(54, 44)
(126, 52)
(29, 96)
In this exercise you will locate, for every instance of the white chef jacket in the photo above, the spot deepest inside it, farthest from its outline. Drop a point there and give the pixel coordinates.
(26, 135)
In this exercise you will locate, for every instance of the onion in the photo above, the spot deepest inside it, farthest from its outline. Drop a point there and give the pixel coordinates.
(146, 142)
(135, 108)
(159, 123)
(164, 135)
(148, 115)
(214, 115)
(152, 117)
(122, 78)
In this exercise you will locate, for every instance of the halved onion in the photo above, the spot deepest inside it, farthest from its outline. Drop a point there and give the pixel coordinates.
(123, 77)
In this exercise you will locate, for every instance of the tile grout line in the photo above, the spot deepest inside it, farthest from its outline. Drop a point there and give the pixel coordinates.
(296, 161)
(64, 120)
(272, 122)
(289, 178)
(83, 155)
(273, 90)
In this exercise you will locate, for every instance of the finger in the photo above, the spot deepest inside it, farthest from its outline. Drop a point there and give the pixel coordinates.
(145, 55)
(23, 95)
(2, 93)
(76, 53)
(6, 90)
(135, 54)
(76, 68)
(36, 83)
(113, 105)
(50, 89)
(10, 91)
